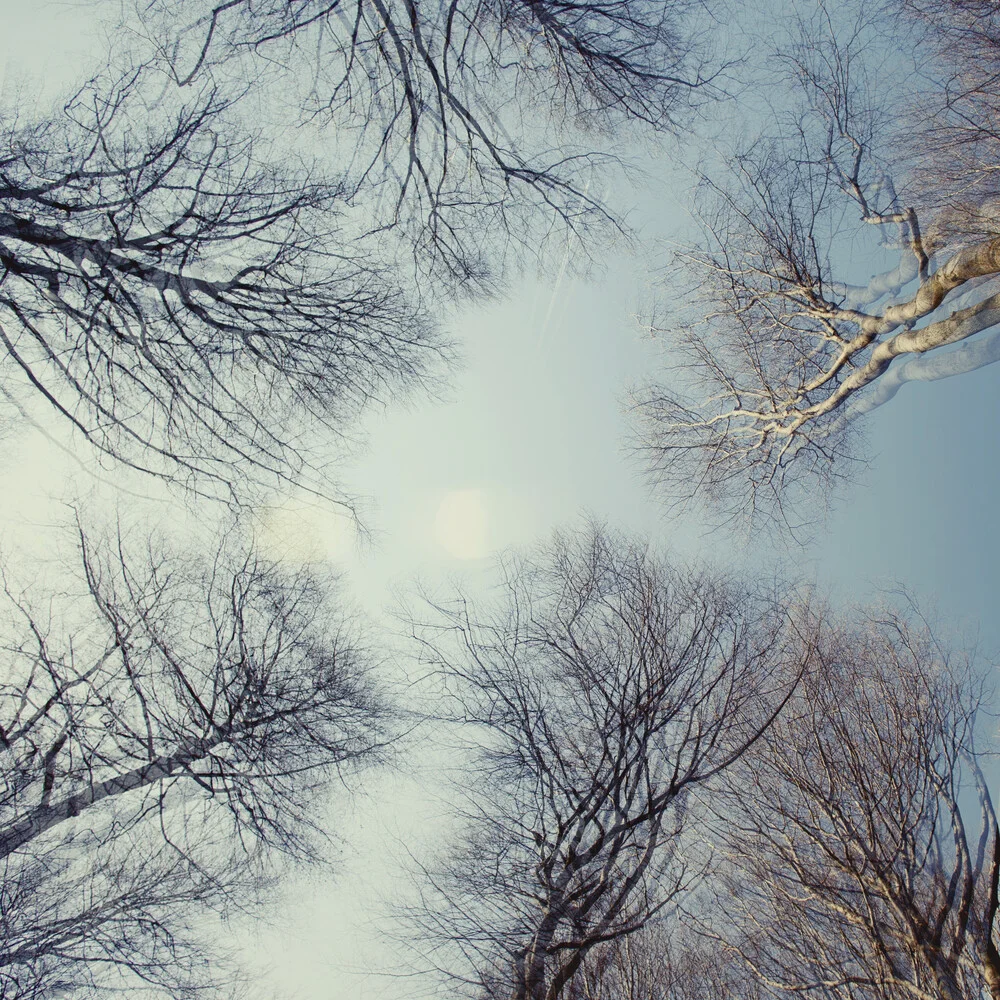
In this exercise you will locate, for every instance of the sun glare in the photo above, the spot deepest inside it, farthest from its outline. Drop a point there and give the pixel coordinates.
(461, 525)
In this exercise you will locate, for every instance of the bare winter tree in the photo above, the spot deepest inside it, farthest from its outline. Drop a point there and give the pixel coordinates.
(600, 698)
(162, 736)
(785, 347)
(473, 124)
(865, 842)
(189, 307)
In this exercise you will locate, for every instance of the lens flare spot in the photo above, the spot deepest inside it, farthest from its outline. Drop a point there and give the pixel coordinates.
(461, 525)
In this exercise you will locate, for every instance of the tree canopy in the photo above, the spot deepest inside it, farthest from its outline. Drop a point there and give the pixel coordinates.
(168, 728)
(869, 152)
(599, 700)
(236, 235)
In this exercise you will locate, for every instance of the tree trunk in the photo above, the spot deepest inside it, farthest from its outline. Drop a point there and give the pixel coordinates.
(43, 818)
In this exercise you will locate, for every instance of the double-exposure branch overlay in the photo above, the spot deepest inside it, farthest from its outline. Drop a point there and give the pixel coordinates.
(780, 352)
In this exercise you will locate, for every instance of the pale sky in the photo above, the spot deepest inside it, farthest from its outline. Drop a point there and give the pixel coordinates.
(531, 437)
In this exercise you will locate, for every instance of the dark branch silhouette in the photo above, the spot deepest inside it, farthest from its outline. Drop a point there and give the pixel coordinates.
(163, 736)
(187, 307)
(600, 699)
(471, 124)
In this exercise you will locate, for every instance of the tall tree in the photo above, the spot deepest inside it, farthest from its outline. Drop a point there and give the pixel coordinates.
(783, 348)
(864, 839)
(598, 701)
(186, 304)
(163, 735)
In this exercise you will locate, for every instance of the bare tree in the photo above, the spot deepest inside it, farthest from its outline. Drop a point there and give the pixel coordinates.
(87, 914)
(163, 736)
(865, 843)
(781, 351)
(602, 695)
(473, 124)
(189, 308)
